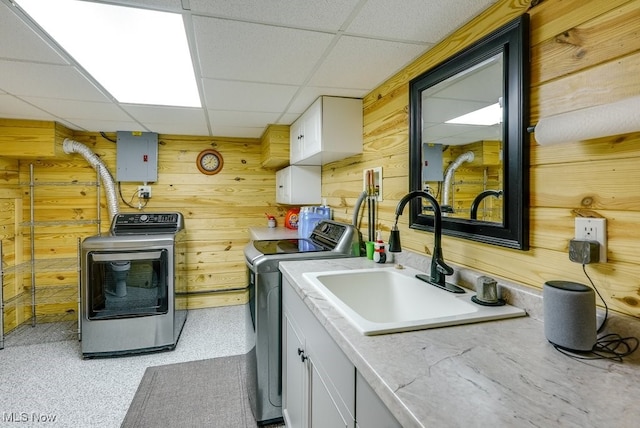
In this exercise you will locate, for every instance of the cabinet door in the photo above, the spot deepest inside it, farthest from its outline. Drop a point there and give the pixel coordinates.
(294, 382)
(283, 189)
(299, 185)
(325, 412)
(296, 135)
(370, 410)
(312, 141)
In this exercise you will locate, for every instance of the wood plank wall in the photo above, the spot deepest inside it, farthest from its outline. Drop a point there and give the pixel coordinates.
(218, 211)
(10, 209)
(582, 54)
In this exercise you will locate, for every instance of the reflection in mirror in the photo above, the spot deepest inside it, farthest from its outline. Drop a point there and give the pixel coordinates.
(467, 140)
(462, 119)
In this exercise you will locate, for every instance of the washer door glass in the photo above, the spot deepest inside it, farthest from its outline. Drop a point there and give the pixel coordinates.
(126, 284)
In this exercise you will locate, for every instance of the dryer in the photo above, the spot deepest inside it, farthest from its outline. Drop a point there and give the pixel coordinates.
(128, 286)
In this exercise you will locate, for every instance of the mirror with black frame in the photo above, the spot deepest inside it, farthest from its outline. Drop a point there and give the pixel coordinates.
(467, 140)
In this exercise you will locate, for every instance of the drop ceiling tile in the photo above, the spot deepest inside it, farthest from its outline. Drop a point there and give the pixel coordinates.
(238, 132)
(166, 5)
(427, 21)
(14, 108)
(177, 128)
(439, 110)
(74, 109)
(47, 81)
(25, 44)
(257, 53)
(100, 125)
(361, 63)
(146, 113)
(456, 135)
(328, 14)
(242, 118)
(260, 97)
(161, 119)
(310, 93)
(288, 118)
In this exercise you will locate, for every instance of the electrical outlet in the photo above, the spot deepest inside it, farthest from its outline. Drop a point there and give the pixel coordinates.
(144, 192)
(593, 229)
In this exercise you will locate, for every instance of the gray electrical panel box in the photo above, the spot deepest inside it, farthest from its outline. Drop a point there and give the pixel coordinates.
(137, 156)
(432, 162)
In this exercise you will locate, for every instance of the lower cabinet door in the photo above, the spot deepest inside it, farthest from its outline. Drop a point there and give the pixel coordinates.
(325, 413)
(370, 410)
(295, 373)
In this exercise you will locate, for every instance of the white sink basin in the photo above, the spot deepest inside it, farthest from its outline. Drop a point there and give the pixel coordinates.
(389, 300)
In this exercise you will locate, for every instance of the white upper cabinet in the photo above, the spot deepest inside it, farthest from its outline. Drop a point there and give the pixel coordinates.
(329, 130)
(299, 185)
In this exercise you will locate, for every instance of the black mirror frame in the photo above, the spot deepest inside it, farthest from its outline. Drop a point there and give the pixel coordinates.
(513, 41)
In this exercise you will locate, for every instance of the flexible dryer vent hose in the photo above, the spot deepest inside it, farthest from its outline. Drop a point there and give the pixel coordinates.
(70, 146)
(448, 175)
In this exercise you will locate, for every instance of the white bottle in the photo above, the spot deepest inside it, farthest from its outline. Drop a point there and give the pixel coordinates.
(379, 255)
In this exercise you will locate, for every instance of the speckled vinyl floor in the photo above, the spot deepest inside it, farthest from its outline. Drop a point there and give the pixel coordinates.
(43, 376)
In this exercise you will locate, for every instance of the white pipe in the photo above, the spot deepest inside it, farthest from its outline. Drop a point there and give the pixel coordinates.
(70, 146)
(448, 175)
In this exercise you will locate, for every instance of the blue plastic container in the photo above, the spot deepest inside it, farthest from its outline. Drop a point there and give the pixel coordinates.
(308, 220)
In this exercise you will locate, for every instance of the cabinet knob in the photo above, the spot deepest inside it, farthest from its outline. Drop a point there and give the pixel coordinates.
(302, 356)
(300, 137)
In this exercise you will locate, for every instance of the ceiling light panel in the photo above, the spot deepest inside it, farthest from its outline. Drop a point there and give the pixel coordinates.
(140, 56)
(486, 116)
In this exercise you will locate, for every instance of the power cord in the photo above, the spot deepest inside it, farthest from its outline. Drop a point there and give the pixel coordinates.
(128, 203)
(106, 137)
(606, 308)
(610, 346)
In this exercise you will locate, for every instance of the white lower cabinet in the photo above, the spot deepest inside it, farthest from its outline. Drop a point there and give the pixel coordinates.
(294, 374)
(318, 380)
(370, 410)
(325, 410)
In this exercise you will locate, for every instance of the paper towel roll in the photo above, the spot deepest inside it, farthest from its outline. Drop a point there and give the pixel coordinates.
(620, 117)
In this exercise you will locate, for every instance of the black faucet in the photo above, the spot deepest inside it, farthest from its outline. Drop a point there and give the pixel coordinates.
(479, 198)
(439, 269)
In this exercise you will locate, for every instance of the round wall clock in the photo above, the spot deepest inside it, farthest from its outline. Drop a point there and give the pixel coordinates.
(209, 162)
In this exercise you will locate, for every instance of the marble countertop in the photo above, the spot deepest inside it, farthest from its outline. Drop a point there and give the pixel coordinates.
(497, 373)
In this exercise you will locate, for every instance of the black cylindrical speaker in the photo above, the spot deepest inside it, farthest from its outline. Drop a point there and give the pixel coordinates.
(569, 315)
